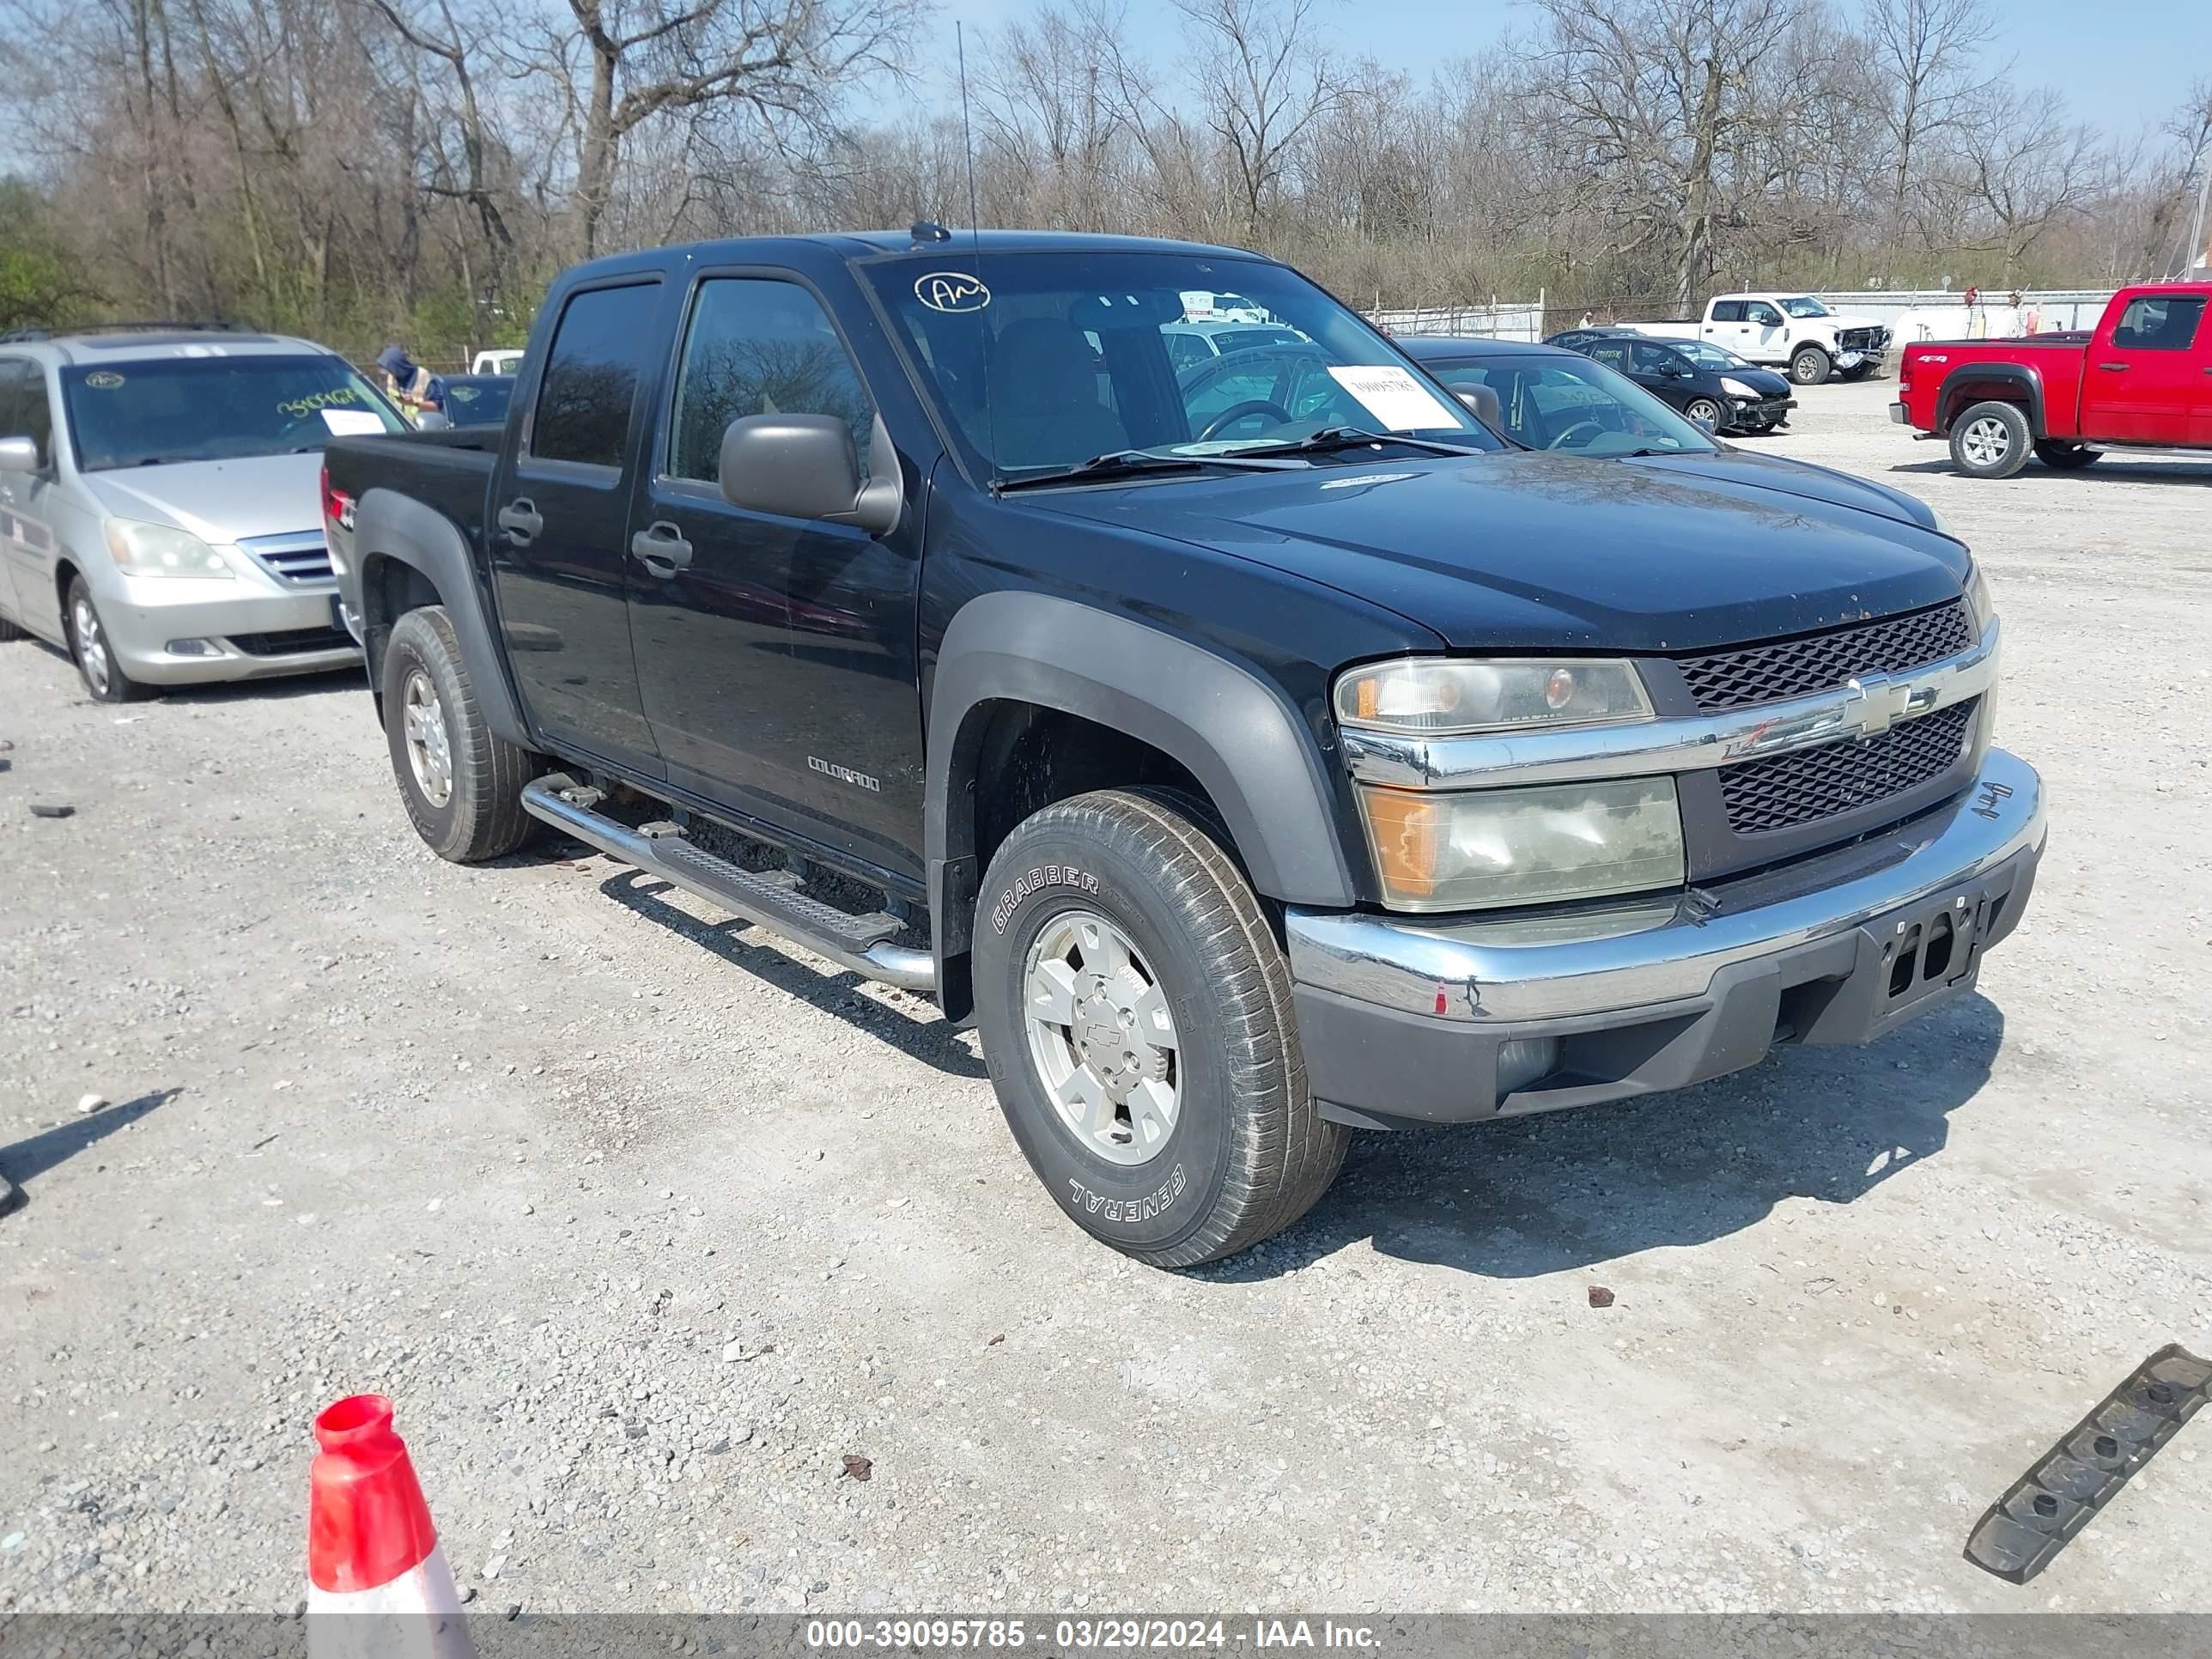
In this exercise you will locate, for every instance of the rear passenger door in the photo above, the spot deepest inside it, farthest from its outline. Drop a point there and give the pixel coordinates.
(777, 655)
(2145, 381)
(1729, 324)
(559, 535)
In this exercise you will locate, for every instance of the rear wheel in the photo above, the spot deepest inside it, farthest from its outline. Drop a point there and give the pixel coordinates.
(1810, 366)
(2057, 454)
(461, 782)
(1990, 440)
(1135, 1012)
(94, 654)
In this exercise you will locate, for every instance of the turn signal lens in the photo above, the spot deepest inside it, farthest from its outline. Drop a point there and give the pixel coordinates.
(1437, 696)
(1482, 849)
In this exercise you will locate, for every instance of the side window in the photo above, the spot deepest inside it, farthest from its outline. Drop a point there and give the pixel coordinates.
(1612, 353)
(32, 416)
(759, 347)
(14, 371)
(1764, 314)
(589, 386)
(1651, 358)
(2161, 322)
(1729, 311)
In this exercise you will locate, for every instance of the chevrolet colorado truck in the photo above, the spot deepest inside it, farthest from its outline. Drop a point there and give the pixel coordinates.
(2141, 380)
(1794, 333)
(1250, 759)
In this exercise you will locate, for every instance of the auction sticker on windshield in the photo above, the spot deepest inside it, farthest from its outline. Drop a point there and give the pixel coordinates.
(951, 290)
(1393, 397)
(351, 422)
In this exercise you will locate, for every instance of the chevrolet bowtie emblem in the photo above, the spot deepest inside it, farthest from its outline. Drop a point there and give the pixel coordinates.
(1872, 707)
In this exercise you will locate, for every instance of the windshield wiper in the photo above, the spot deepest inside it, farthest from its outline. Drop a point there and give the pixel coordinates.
(1327, 438)
(1132, 461)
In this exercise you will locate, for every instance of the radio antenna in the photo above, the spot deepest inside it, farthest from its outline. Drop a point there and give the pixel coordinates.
(975, 248)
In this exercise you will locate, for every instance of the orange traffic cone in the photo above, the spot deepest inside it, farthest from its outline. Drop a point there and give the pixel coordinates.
(371, 1548)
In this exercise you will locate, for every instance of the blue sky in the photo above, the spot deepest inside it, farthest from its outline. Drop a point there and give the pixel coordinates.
(2122, 63)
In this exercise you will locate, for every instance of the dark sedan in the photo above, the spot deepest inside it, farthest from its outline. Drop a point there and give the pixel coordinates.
(1557, 400)
(1718, 390)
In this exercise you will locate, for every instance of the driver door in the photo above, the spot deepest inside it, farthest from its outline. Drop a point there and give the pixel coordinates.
(1769, 332)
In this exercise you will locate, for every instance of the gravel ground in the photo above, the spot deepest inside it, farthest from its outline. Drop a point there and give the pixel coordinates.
(647, 1225)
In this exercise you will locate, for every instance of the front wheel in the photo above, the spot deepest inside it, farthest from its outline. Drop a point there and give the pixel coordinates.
(1704, 414)
(1810, 366)
(1990, 440)
(2063, 457)
(96, 662)
(1135, 1012)
(461, 782)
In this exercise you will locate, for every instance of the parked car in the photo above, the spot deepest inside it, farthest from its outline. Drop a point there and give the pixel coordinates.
(1348, 766)
(1792, 330)
(1192, 344)
(497, 360)
(2142, 379)
(1548, 398)
(478, 399)
(158, 513)
(1715, 388)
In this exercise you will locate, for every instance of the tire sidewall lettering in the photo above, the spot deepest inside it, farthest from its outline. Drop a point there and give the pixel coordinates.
(1035, 880)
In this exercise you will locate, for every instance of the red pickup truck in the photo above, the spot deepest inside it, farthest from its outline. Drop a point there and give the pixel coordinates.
(2141, 380)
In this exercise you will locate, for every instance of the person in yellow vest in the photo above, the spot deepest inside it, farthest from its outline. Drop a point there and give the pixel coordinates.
(414, 388)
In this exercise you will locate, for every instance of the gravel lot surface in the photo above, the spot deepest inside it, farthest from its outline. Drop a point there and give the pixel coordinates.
(648, 1224)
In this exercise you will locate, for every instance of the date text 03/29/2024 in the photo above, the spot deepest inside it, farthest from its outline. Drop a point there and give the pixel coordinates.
(1084, 1635)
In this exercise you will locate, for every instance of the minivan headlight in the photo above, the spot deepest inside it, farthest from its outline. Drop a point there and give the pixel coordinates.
(1482, 849)
(158, 549)
(1437, 696)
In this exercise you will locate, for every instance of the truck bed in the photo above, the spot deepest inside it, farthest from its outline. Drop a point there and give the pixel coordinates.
(450, 470)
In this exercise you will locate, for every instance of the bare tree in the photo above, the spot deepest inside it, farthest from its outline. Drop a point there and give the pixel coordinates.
(1927, 52)
(1262, 79)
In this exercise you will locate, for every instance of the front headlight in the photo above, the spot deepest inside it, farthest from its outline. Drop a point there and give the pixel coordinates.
(1433, 696)
(1735, 388)
(1979, 600)
(1488, 848)
(157, 549)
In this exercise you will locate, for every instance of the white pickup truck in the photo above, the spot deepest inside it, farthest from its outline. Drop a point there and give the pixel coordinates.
(1792, 331)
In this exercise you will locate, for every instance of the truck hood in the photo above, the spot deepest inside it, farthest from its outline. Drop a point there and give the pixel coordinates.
(1530, 551)
(1843, 319)
(218, 501)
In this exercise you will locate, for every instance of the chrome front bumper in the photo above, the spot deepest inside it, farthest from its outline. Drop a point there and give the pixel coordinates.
(1436, 1019)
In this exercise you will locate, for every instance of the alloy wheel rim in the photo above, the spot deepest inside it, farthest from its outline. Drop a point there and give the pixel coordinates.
(1986, 441)
(1103, 1038)
(429, 749)
(1705, 414)
(91, 646)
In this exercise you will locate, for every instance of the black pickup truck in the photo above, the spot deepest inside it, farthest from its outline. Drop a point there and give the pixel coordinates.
(1253, 753)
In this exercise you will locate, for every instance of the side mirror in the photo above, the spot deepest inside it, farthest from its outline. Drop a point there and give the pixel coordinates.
(19, 455)
(804, 466)
(433, 420)
(1482, 403)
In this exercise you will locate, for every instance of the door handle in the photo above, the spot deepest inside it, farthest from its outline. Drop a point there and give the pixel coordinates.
(661, 549)
(2113, 368)
(521, 521)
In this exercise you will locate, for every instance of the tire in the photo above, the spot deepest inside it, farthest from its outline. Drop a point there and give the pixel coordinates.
(1702, 412)
(1810, 366)
(1233, 1148)
(96, 666)
(11, 631)
(1990, 440)
(462, 785)
(2062, 457)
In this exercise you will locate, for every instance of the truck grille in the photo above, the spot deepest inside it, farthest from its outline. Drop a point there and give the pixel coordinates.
(303, 557)
(1808, 785)
(1792, 668)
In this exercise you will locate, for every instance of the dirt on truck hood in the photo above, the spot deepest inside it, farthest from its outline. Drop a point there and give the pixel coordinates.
(1536, 551)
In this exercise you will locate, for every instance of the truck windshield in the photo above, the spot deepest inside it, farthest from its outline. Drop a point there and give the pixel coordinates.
(1805, 306)
(1039, 362)
(216, 409)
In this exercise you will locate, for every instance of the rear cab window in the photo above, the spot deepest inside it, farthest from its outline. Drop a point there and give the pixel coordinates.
(587, 393)
(1728, 311)
(2160, 322)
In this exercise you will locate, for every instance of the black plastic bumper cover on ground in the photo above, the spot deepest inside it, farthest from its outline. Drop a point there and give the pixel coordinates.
(2093, 1459)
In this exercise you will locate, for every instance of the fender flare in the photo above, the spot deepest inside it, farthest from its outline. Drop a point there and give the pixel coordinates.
(2026, 376)
(1232, 731)
(388, 525)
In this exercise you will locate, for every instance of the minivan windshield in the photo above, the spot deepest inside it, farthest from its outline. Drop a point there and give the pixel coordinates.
(166, 409)
(1805, 306)
(1040, 362)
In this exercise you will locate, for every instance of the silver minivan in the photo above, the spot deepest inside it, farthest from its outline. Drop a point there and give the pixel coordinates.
(161, 515)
